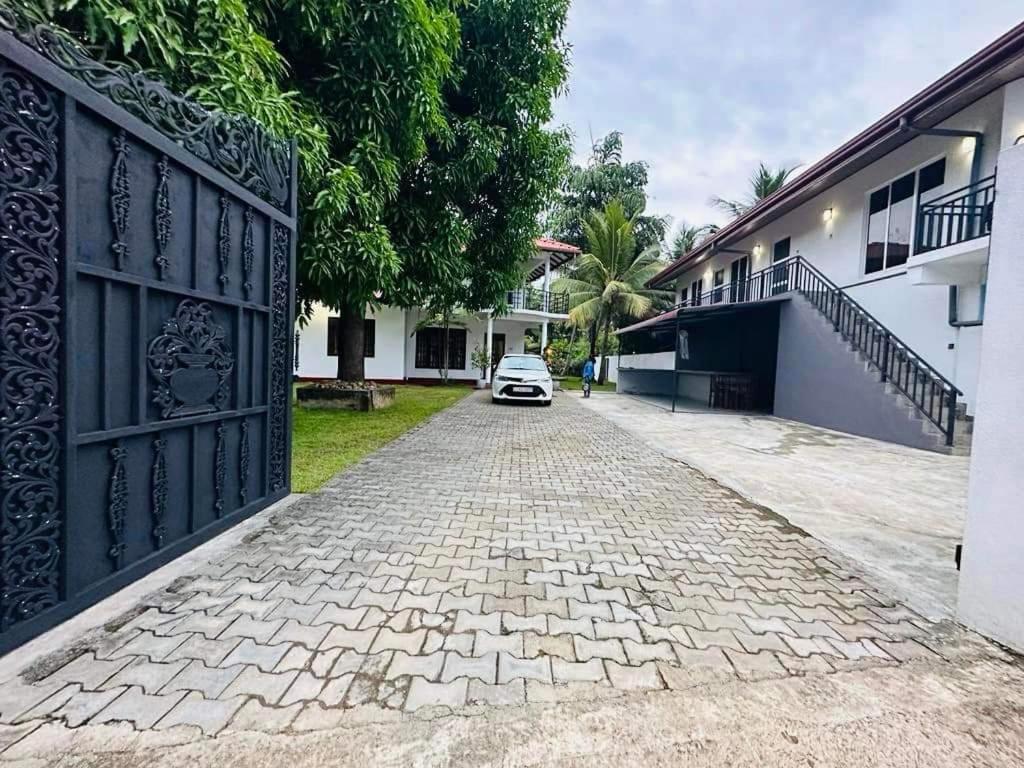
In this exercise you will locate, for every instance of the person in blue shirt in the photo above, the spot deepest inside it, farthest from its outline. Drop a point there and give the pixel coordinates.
(588, 376)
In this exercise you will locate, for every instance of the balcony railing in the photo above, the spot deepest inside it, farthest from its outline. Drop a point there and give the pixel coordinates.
(957, 217)
(932, 394)
(537, 300)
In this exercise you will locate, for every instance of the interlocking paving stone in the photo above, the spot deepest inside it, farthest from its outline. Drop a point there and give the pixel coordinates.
(209, 681)
(512, 668)
(138, 708)
(507, 695)
(254, 716)
(266, 657)
(428, 667)
(151, 676)
(580, 671)
(74, 705)
(483, 668)
(452, 566)
(424, 694)
(305, 687)
(209, 716)
(269, 687)
(90, 671)
(359, 640)
(644, 676)
(600, 649)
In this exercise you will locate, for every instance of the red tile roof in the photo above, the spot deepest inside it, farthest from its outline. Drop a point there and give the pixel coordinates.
(547, 244)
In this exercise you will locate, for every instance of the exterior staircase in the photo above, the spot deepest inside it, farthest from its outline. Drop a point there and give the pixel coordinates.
(921, 392)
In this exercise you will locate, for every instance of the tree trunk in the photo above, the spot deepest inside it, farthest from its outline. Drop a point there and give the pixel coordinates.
(592, 333)
(350, 344)
(444, 349)
(603, 372)
(568, 358)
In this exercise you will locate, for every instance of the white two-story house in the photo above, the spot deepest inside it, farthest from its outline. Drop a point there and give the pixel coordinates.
(397, 350)
(854, 297)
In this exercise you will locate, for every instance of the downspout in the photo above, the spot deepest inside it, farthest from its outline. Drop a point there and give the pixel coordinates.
(675, 365)
(979, 142)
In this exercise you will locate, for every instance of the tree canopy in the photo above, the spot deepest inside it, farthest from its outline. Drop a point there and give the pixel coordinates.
(424, 161)
(591, 187)
(764, 181)
(609, 281)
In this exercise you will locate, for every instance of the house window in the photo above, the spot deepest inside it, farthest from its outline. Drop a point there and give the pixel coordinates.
(369, 336)
(891, 216)
(683, 296)
(716, 296)
(696, 289)
(430, 346)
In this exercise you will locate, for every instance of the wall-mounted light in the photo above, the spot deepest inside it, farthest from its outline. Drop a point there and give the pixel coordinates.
(826, 215)
(757, 250)
(968, 144)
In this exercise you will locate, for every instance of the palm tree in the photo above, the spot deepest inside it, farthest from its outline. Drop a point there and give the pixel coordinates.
(689, 237)
(608, 282)
(764, 182)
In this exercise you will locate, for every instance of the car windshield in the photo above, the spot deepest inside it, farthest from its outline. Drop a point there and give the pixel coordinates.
(523, 364)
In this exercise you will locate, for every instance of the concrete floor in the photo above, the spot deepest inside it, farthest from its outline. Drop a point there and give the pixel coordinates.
(898, 512)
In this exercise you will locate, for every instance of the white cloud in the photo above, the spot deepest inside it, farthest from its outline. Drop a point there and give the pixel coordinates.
(705, 90)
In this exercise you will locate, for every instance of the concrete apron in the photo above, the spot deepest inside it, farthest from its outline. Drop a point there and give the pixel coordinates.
(896, 513)
(927, 713)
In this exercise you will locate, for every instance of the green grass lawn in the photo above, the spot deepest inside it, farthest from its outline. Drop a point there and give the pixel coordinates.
(576, 383)
(326, 441)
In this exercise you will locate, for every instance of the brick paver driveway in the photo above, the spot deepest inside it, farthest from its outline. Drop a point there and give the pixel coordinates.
(496, 555)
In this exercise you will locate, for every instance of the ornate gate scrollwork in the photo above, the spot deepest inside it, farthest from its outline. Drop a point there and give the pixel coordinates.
(190, 362)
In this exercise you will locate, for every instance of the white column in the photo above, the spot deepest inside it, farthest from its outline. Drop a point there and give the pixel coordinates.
(490, 344)
(992, 569)
(543, 337)
(547, 287)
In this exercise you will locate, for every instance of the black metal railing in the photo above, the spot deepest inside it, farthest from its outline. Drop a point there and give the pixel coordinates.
(931, 393)
(538, 300)
(957, 217)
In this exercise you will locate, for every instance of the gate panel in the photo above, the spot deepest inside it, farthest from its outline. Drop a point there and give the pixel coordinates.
(147, 273)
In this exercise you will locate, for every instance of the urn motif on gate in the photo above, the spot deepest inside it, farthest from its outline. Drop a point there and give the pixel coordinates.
(190, 363)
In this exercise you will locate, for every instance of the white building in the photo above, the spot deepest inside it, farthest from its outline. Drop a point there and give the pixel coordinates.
(886, 240)
(395, 351)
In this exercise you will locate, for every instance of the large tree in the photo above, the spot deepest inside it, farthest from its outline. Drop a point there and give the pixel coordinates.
(476, 195)
(590, 187)
(419, 126)
(609, 281)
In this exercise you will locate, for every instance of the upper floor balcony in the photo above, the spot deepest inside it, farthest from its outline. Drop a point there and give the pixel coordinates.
(530, 299)
(951, 243)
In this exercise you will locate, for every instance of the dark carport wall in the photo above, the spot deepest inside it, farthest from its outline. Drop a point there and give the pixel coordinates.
(146, 315)
(721, 339)
(821, 380)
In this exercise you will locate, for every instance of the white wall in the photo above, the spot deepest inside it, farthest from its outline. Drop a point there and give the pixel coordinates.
(387, 363)
(476, 333)
(917, 314)
(991, 597)
(395, 345)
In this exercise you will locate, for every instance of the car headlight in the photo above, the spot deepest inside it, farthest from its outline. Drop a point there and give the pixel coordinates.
(502, 378)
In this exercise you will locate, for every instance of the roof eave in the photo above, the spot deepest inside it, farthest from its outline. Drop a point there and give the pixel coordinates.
(970, 75)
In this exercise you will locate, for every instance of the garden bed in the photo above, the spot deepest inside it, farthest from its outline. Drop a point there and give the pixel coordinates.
(348, 396)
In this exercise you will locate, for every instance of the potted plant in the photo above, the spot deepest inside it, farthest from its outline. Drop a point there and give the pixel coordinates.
(480, 361)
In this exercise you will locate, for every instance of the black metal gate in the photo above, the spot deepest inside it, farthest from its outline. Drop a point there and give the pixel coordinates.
(145, 326)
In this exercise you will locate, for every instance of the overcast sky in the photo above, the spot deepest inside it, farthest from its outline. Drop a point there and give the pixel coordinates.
(704, 89)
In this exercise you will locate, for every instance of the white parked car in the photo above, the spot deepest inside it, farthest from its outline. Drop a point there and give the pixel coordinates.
(522, 377)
